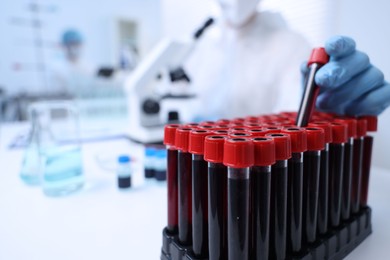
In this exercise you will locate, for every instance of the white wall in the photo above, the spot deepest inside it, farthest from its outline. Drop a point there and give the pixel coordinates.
(368, 23)
(93, 18)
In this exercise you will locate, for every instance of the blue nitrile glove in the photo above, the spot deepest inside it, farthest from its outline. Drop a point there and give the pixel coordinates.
(349, 83)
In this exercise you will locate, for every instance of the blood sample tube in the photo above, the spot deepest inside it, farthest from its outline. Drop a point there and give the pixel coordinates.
(199, 193)
(336, 166)
(172, 191)
(253, 125)
(223, 121)
(260, 183)
(317, 59)
(348, 164)
(295, 189)
(257, 132)
(207, 123)
(311, 176)
(273, 129)
(361, 132)
(372, 126)
(238, 157)
(220, 132)
(322, 216)
(217, 196)
(239, 134)
(278, 211)
(185, 186)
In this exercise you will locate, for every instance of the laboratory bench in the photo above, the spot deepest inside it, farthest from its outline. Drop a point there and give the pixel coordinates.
(102, 222)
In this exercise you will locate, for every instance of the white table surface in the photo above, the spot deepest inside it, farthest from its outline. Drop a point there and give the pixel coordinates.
(101, 222)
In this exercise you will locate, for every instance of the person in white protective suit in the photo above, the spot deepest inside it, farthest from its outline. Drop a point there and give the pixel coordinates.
(247, 63)
(250, 65)
(72, 75)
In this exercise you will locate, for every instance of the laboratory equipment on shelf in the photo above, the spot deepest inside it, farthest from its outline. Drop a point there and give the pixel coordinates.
(56, 139)
(161, 71)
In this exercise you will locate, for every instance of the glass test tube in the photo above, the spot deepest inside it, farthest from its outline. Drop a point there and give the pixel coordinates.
(372, 126)
(199, 193)
(278, 211)
(357, 164)
(295, 188)
(184, 162)
(217, 196)
(238, 157)
(336, 166)
(348, 164)
(260, 188)
(311, 177)
(323, 190)
(172, 180)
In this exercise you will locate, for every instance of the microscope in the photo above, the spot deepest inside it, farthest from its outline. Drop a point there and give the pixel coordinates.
(159, 78)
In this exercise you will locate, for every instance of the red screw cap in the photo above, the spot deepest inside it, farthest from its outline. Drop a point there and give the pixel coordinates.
(223, 121)
(170, 133)
(372, 123)
(207, 123)
(315, 138)
(298, 139)
(196, 143)
(207, 127)
(352, 125)
(238, 152)
(324, 126)
(361, 127)
(239, 134)
(273, 129)
(237, 129)
(264, 151)
(257, 132)
(252, 125)
(191, 125)
(221, 132)
(213, 148)
(221, 126)
(339, 132)
(318, 55)
(182, 138)
(282, 145)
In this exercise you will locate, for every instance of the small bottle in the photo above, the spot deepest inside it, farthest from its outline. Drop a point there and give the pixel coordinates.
(160, 165)
(124, 172)
(150, 157)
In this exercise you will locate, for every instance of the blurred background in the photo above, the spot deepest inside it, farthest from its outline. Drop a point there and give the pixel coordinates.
(106, 58)
(119, 33)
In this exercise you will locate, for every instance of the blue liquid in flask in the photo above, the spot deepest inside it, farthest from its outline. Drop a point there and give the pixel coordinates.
(63, 171)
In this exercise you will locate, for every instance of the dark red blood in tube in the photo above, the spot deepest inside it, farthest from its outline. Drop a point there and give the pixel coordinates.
(185, 186)
(172, 185)
(357, 164)
(217, 197)
(278, 212)
(348, 164)
(322, 216)
(199, 193)
(260, 186)
(295, 188)
(336, 166)
(238, 157)
(311, 177)
(372, 126)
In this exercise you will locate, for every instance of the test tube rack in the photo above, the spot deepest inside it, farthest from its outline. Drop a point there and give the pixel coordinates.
(339, 240)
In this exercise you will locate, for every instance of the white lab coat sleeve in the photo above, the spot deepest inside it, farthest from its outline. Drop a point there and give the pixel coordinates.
(290, 83)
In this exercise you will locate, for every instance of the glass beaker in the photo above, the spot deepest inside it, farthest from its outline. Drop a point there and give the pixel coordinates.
(31, 169)
(60, 148)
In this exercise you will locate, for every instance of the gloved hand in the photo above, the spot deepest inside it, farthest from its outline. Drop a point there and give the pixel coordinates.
(349, 83)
